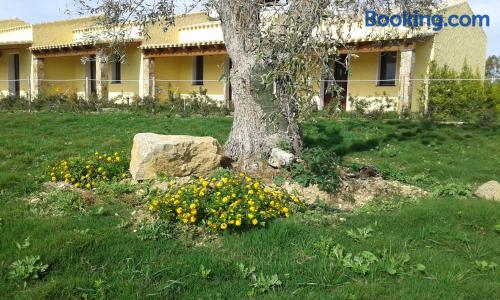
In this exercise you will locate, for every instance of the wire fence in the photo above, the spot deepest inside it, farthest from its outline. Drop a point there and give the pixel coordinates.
(426, 89)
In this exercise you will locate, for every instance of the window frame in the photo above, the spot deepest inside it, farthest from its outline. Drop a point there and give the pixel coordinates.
(116, 72)
(384, 82)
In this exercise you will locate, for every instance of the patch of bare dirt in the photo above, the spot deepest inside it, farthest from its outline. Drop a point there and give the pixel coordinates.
(88, 197)
(355, 192)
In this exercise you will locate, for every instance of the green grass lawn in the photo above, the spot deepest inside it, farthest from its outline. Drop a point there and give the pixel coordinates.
(89, 254)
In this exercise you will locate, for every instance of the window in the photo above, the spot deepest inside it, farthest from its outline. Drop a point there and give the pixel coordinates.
(387, 73)
(198, 70)
(116, 76)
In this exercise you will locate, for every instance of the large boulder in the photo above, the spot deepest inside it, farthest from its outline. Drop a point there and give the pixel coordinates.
(173, 155)
(489, 191)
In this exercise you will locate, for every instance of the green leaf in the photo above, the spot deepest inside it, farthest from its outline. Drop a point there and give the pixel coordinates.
(420, 267)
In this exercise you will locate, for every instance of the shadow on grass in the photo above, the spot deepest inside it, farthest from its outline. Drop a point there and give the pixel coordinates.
(353, 136)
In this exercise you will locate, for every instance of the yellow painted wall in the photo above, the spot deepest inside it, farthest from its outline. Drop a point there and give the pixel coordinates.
(64, 68)
(131, 69)
(24, 69)
(454, 46)
(181, 68)
(4, 73)
(9, 23)
(365, 67)
(60, 32)
(157, 34)
(423, 57)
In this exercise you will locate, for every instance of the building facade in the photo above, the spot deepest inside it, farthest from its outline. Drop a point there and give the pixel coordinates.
(57, 58)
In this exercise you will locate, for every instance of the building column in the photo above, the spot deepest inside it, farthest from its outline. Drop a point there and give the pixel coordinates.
(148, 77)
(406, 68)
(102, 71)
(37, 76)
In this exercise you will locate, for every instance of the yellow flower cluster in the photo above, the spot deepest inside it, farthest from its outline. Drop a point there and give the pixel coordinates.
(224, 203)
(87, 173)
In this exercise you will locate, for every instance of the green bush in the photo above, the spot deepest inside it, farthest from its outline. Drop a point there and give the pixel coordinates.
(223, 203)
(373, 108)
(318, 166)
(58, 203)
(197, 103)
(451, 99)
(88, 172)
(69, 103)
(13, 103)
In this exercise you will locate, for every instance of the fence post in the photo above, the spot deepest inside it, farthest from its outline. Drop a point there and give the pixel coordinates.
(153, 86)
(426, 97)
(87, 88)
(29, 94)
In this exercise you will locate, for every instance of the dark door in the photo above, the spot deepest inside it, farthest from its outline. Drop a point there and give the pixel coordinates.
(93, 79)
(17, 77)
(336, 88)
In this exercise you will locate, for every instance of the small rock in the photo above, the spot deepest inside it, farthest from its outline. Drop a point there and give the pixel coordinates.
(489, 191)
(280, 158)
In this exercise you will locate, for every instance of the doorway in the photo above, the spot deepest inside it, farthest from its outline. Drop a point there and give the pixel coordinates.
(93, 77)
(14, 75)
(335, 89)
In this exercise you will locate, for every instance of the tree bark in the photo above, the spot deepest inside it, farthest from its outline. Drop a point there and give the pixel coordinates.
(260, 123)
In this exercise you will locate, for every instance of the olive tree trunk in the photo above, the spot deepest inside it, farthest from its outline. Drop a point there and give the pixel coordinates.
(259, 120)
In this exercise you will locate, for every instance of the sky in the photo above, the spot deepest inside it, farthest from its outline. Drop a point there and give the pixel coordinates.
(35, 11)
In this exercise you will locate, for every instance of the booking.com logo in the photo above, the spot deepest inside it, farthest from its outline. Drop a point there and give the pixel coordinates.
(436, 22)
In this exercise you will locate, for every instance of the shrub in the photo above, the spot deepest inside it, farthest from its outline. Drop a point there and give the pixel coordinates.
(373, 108)
(88, 172)
(153, 231)
(197, 102)
(58, 202)
(13, 103)
(453, 190)
(30, 267)
(318, 166)
(459, 100)
(223, 203)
